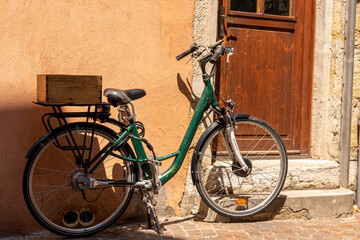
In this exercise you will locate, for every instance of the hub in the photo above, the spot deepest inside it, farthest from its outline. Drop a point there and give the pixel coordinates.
(237, 170)
(78, 180)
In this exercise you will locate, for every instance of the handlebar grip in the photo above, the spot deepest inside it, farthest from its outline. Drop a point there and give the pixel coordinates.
(184, 54)
(220, 50)
(193, 48)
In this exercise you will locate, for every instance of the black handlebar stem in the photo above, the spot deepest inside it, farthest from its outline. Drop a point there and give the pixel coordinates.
(219, 51)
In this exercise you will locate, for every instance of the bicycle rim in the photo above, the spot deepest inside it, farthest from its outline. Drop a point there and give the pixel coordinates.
(52, 196)
(227, 189)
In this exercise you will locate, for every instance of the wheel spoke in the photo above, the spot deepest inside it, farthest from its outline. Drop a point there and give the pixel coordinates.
(52, 197)
(52, 170)
(64, 156)
(62, 203)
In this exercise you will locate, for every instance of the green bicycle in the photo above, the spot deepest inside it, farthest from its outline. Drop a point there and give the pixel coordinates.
(80, 176)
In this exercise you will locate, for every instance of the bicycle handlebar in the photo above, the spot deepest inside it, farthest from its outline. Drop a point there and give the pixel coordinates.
(216, 49)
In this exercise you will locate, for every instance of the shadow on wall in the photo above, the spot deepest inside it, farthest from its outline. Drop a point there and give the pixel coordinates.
(21, 127)
(187, 91)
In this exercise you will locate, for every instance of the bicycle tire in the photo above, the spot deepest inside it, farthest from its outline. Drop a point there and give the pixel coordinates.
(219, 180)
(47, 188)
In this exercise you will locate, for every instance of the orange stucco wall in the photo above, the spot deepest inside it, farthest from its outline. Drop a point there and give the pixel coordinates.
(132, 44)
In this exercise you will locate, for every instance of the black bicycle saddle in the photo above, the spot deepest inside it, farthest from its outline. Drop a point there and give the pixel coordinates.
(117, 97)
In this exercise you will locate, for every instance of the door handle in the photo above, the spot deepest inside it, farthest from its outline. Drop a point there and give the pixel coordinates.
(227, 17)
(221, 29)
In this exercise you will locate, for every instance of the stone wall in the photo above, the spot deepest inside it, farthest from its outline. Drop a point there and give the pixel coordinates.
(323, 107)
(327, 81)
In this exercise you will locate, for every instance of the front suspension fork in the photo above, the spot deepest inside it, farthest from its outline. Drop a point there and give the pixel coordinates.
(231, 144)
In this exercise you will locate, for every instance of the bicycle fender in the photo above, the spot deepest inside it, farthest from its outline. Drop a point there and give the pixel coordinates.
(241, 115)
(37, 145)
(200, 143)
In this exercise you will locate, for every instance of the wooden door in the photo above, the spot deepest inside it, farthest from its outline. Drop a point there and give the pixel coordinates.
(270, 74)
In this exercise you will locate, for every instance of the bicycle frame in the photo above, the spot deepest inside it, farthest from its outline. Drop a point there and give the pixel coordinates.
(207, 99)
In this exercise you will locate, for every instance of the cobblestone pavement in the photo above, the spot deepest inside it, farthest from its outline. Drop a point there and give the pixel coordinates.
(193, 228)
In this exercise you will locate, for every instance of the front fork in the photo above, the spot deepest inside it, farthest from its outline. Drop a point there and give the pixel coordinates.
(230, 142)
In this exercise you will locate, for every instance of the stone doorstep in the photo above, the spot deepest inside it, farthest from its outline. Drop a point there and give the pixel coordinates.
(312, 174)
(320, 203)
(301, 204)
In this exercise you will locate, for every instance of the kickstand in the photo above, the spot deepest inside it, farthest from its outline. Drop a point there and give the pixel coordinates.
(157, 224)
(148, 199)
(149, 224)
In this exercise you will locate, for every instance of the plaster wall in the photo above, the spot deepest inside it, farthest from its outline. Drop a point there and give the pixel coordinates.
(132, 44)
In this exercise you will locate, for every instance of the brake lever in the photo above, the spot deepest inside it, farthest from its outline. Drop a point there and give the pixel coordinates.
(195, 55)
(189, 59)
(231, 52)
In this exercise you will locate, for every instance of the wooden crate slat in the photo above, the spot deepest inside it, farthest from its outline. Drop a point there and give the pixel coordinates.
(69, 89)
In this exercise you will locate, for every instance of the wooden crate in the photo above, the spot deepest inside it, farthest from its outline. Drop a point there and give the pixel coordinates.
(69, 89)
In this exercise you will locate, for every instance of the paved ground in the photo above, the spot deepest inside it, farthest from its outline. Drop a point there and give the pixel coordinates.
(193, 228)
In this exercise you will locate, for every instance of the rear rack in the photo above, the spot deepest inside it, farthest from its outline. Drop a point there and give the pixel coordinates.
(99, 112)
(95, 112)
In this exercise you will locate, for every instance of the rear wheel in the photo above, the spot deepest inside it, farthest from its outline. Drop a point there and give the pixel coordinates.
(53, 178)
(223, 185)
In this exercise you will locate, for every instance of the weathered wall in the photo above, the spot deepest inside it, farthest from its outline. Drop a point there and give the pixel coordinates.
(132, 44)
(328, 69)
(321, 97)
(327, 82)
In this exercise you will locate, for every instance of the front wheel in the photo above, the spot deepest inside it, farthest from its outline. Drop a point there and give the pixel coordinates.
(219, 179)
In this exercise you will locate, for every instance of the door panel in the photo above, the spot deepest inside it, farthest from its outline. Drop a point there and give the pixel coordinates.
(265, 55)
(270, 73)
